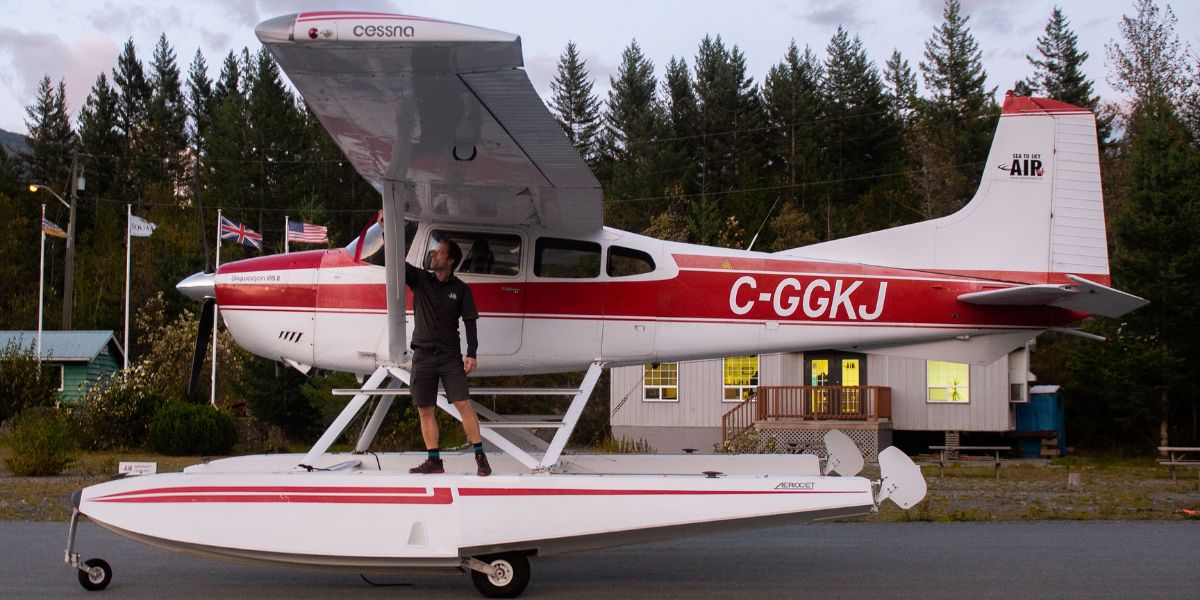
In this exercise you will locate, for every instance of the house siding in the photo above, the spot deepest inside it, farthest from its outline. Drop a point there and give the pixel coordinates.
(697, 414)
(987, 410)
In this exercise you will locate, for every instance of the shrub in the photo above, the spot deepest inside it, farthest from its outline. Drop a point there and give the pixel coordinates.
(192, 429)
(20, 384)
(116, 415)
(42, 443)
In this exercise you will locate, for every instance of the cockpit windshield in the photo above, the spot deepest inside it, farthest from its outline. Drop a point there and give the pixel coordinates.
(373, 244)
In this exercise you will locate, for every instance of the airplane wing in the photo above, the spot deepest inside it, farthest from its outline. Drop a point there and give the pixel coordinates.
(442, 110)
(1084, 296)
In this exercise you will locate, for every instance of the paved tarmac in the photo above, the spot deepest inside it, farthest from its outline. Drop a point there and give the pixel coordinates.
(977, 561)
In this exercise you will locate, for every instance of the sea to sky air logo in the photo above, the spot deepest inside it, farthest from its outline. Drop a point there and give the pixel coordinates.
(1024, 166)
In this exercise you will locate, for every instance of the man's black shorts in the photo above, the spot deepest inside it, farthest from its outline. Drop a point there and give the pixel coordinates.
(428, 367)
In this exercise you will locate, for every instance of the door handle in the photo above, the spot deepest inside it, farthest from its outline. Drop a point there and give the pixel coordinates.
(511, 290)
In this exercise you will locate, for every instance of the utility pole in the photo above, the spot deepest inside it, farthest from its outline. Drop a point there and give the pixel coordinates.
(69, 275)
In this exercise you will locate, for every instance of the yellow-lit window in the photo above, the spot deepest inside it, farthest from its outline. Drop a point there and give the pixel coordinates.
(741, 378)
(948, 381)
(661, 383)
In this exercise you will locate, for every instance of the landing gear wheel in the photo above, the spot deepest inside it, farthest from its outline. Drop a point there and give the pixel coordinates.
(96, 576)
(510, 578)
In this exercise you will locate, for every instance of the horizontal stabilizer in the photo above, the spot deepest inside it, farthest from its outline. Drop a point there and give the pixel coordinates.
(1083, 296)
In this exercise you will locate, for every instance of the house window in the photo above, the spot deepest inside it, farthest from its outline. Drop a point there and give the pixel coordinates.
(948, 381)
(55, 373)
(660, 383)
(741, 378)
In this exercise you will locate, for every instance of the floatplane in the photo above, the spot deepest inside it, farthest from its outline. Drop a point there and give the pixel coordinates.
(442, 120)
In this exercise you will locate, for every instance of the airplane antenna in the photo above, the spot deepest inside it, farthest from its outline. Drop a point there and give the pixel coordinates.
(763, 224)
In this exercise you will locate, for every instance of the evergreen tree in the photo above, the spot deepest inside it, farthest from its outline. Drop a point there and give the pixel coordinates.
(100, 140)
(961, 116)
(166, 116)
(134, 91)
(683, 123)
(51, 139)
(792, 102)
(199, 101)
(731, 147)
(1058, 73)
(574, 104)
(276, 135)
(634, 123)
(861, 138)
(225, 166)
(901, 89)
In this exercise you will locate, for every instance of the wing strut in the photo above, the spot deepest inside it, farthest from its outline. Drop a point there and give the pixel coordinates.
(395, 199)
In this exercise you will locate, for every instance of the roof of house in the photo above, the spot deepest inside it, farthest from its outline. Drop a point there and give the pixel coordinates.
(64, 346)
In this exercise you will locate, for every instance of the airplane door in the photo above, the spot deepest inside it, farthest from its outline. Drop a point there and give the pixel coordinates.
(630, 304)
(491, 265)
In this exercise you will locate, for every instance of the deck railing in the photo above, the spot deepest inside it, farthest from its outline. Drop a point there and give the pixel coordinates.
(808, 403)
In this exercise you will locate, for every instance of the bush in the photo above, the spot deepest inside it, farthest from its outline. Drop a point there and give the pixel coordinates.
(20, 384)
(116, 415)
(192, 429)
(42, 443)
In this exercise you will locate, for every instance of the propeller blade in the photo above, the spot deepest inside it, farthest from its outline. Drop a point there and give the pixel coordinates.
(203, 333)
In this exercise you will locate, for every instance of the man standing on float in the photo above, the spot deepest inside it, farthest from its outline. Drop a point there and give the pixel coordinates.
(439, 300)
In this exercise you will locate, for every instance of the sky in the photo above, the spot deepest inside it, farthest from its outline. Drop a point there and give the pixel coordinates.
(75, 40)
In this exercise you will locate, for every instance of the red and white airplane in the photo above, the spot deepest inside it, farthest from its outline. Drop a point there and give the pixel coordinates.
(443, 121)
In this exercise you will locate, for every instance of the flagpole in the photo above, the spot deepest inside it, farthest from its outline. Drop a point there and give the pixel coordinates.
(285, 234)
(128, 218)
(41, 287)
(213, 392)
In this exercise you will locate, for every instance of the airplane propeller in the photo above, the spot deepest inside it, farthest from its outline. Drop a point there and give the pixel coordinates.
(200, 287)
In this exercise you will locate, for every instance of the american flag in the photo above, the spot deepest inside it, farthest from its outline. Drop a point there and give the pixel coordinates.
(240, 234)
(50, 228)
(309, 234)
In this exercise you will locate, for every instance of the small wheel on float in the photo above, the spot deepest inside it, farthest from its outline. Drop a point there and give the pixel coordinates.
(510, 576)
(96, 576)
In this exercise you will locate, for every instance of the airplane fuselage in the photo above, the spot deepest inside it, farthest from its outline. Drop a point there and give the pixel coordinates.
(555, 304)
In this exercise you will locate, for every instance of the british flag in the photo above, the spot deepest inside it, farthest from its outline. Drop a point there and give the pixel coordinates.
(240, 233)
(298, 231)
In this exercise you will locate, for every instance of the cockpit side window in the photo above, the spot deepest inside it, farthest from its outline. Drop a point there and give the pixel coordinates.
(573, 259)
(626, 262)
(484, 253)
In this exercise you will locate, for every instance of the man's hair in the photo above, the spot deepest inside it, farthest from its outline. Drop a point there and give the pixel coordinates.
(454, 250)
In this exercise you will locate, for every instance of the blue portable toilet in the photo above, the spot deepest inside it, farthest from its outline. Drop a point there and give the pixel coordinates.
(1044, 412)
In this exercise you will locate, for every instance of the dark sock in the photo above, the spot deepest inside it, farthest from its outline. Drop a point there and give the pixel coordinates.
(435, 453)
(478, 448)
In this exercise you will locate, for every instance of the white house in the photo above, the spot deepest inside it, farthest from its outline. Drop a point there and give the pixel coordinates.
(791, 400)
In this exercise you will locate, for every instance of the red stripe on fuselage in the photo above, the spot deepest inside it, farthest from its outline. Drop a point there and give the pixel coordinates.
(710, 288)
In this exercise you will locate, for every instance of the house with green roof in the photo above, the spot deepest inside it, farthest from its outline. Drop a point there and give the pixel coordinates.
(78, 359)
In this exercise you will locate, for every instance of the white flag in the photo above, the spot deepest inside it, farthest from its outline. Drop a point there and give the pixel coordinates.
(139, 227)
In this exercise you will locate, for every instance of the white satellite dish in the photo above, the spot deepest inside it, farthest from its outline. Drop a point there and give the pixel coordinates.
(901, 479)
(845, 459)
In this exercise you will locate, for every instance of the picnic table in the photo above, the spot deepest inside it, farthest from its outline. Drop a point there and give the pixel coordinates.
(1180, 456)
(948, 451)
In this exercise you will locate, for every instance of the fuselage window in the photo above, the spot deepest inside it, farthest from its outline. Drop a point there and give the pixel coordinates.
(568, 259)
(483, 253)
(624, 262)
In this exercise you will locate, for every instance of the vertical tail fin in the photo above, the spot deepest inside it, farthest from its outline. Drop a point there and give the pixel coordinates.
(1038, 214)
